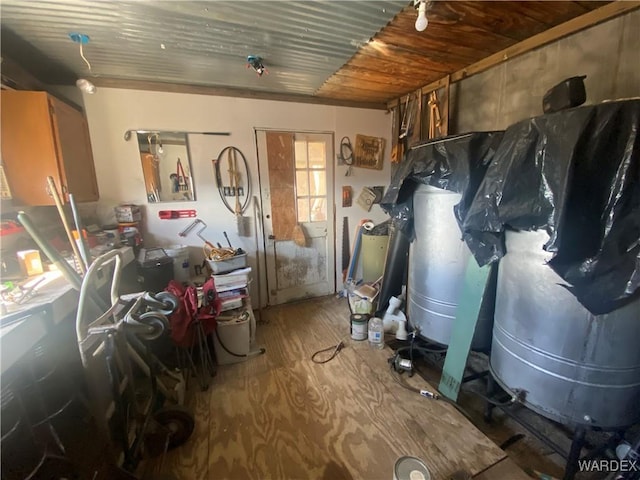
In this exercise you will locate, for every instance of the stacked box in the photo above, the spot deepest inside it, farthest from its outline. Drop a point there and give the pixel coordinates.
(128, 213)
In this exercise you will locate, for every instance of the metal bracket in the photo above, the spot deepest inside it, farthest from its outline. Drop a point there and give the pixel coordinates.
(128, 133)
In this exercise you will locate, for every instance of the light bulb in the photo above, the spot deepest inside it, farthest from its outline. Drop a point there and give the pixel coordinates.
(421, 21)
(86, 86)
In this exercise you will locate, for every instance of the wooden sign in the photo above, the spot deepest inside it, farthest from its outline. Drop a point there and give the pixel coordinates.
(369, 152)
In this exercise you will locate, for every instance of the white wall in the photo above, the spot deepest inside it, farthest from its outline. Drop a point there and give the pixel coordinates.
(350, 121)
(110, 112)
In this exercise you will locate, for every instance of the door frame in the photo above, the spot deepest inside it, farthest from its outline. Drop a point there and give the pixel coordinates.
(331, 207)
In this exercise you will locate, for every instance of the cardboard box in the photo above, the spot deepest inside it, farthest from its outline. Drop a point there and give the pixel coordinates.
(30, 262)
(128, 213)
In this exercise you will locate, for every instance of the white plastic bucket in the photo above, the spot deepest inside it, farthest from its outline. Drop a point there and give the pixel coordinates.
(232, 341)
(180, 256)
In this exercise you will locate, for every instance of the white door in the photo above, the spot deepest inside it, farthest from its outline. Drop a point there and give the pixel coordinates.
(296, 184)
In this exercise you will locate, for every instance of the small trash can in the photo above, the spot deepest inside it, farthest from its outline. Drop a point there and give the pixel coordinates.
(232, 340)
(180, 255)
(155, 269)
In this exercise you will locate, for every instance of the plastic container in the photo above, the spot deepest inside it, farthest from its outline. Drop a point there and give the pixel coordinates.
(181, 267)
(376, 333)
(229, 264)
(232, 341)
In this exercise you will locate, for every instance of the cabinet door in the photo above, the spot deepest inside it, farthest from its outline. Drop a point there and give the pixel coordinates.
(29, 152)
(74, 145)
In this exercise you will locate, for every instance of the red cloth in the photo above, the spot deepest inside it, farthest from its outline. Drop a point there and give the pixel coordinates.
(183, 318)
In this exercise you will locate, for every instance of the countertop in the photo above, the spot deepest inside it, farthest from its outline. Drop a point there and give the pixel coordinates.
(55, 299)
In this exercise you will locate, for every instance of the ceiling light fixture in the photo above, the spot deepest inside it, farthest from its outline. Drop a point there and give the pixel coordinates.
(82, 83)
(86, 86)
(255, 62)
(421, 21)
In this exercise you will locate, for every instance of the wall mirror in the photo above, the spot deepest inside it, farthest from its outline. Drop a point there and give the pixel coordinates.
(166, 166)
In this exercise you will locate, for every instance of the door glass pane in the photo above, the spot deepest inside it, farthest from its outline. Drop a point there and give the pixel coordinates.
(318, 209)
(317, 155)
(303, 210)
(301, 154)
(318, 182)
(302, 183)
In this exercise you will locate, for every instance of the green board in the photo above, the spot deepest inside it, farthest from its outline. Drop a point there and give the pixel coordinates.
(464, 326)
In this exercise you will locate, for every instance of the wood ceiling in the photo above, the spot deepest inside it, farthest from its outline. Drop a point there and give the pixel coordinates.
(399, 59)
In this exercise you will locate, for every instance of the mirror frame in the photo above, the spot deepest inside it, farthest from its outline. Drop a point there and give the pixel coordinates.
(128, 134)
(187, 188)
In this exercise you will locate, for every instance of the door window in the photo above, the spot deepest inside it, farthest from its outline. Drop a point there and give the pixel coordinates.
(311, 180)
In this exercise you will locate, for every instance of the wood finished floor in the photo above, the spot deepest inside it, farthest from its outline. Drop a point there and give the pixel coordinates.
(281, 416)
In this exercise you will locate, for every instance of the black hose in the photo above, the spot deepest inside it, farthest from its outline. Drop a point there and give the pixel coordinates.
(226, 349)
(496, 403)
(395, 268)
(345, 145)
(336, 349)
(422, 350)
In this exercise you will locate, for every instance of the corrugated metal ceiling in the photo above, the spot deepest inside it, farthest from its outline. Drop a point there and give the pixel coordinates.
(196, 42)
(347, 52)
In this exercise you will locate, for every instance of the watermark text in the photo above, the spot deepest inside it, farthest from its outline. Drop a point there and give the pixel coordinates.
(608, 466)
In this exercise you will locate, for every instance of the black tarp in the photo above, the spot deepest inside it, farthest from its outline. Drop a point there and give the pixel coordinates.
(574, 173)
(457, 163)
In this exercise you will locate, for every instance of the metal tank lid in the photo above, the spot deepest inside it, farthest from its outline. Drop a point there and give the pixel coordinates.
(411, 468)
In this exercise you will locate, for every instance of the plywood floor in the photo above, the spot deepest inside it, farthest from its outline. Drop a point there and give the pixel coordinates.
(281, 416)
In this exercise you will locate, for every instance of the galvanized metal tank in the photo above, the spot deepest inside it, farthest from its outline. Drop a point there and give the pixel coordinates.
(573, 367)
(437, 263)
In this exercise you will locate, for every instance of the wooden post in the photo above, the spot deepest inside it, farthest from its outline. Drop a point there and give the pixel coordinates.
(445, 109)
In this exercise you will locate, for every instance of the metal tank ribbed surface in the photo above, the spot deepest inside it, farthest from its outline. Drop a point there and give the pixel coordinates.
(437, 263)
(572, 366)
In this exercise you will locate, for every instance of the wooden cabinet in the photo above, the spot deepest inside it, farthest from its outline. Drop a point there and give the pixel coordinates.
(41, 137)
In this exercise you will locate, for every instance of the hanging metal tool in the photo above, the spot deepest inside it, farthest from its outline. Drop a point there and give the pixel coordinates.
(236, 188)
(435, 122)
(409, 108)
(197, 222)
(221, 187)
(173, 214)
(257, 215)
(346, 154)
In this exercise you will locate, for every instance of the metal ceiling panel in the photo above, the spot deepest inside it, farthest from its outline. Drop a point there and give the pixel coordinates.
(355, 52)
(199, 42)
